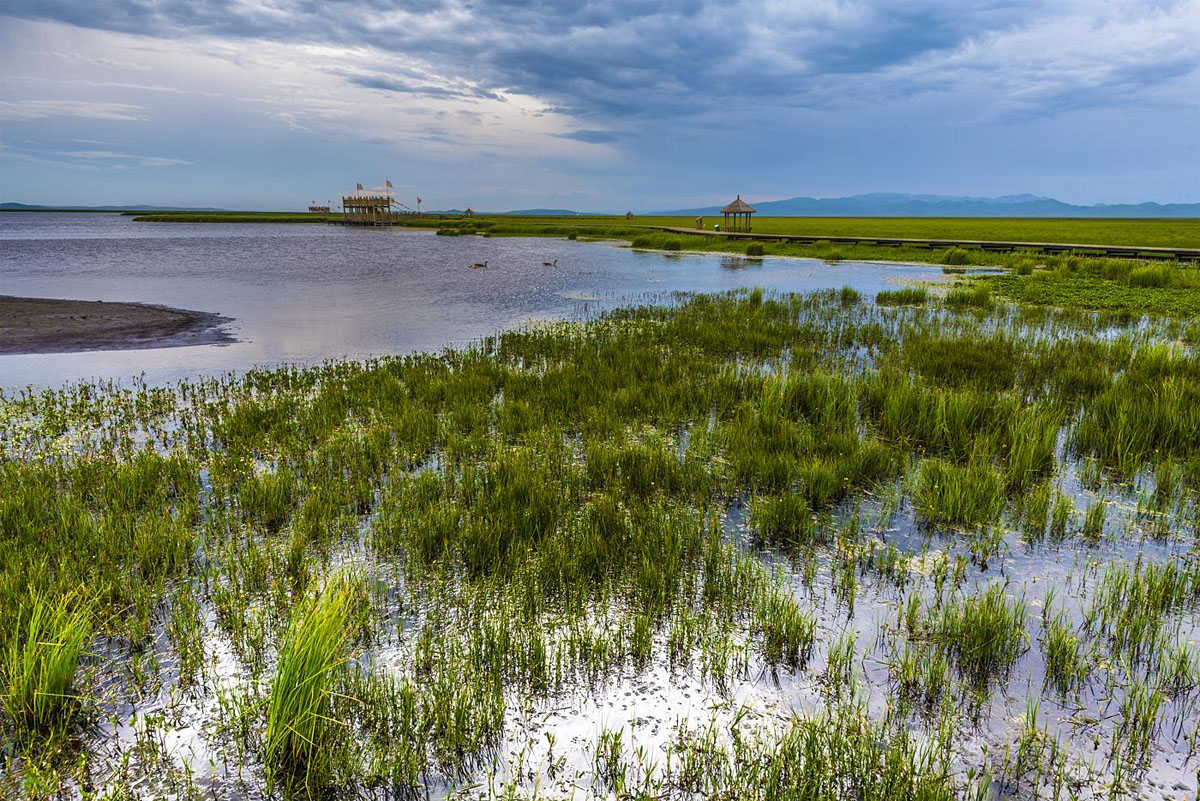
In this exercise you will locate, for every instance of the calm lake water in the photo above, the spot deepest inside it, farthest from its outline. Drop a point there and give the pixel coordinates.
(306, 293)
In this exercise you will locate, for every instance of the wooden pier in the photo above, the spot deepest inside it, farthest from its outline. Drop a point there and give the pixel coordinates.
(1048, 248)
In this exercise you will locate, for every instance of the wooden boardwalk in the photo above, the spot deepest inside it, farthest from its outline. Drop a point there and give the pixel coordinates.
(1111, 251)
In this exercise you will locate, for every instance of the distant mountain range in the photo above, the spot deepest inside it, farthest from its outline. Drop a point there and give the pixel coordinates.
(28, 207)
(528, 212)
(545, 212)
(897, 205)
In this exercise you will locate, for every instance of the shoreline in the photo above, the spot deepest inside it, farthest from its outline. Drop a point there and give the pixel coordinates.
(60, 325)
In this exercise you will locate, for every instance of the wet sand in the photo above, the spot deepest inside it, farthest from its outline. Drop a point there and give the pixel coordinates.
(46, 325)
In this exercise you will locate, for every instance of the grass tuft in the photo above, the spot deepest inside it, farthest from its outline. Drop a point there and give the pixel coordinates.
(302, 735)
(909, 296)
(41, 659)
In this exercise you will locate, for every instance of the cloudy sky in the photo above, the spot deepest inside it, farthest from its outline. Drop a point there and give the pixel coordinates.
(638, 104)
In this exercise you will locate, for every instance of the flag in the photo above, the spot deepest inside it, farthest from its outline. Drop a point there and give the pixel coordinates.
(358, 187)
(389, 184)
(418, 201)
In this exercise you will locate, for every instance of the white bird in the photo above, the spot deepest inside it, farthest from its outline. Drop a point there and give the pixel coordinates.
(478, 264)
(550, 263)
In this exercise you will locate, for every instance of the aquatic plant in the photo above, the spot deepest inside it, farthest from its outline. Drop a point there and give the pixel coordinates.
(712, 489)
(977, 296)
(302, 736)
(908, 296)
(968, 496)
(40, 662)
(955, 256)
(983, 634)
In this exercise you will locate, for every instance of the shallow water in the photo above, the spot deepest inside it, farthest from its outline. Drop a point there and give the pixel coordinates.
(396, 291)
(306, 293)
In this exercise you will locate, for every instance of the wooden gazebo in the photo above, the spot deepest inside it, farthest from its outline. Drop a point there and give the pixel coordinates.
(737, 215)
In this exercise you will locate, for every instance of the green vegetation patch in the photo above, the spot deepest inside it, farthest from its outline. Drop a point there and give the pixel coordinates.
(370, 576)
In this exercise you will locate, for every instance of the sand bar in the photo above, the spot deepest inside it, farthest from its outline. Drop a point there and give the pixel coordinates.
(48, 325)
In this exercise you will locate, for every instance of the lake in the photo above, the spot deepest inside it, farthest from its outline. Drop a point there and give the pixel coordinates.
(303, 294)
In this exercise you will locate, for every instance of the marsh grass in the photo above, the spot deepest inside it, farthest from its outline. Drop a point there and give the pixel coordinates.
(715, 487)
(955, 256)
(303, 741)
(908, 296)
(947, 494)
(785, 519)
(41, 661)
(836, 754)
(1068, 662)
(978, 296)
(922, 675)
(983, 634)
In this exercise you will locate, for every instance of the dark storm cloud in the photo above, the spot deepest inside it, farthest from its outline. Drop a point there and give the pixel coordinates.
(626, 58)
(629, 60)
(389, 84)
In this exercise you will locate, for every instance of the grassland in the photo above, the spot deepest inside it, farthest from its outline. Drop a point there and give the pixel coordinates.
(1142, 232)
(925, 547)
(1145, 232)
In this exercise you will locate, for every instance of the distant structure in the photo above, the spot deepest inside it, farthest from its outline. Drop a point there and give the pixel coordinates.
(360, 209)
(374, 206)
(629, 215)
(700, 223)
(468, 212)
(319, 209)
(739, 212)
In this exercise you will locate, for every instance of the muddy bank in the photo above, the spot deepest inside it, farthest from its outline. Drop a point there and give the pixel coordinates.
(47, 325)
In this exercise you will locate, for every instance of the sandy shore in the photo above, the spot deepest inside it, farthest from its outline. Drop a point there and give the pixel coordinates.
(45, 325)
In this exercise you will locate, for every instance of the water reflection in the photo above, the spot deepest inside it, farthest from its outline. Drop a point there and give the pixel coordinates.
(307, 293)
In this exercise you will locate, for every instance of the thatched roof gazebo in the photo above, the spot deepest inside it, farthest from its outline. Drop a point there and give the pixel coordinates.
(739, 211)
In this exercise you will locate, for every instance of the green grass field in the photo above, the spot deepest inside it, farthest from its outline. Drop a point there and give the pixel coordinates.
(1147, 233)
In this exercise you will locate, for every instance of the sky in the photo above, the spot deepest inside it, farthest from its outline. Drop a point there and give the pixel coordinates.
(596, 106)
